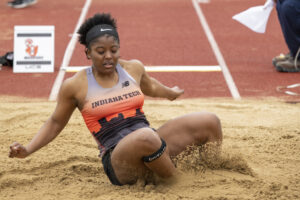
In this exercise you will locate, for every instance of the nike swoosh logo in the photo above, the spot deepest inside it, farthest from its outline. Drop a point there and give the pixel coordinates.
(105, 29)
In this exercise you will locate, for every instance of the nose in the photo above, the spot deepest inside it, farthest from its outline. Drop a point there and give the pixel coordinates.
(108, 55)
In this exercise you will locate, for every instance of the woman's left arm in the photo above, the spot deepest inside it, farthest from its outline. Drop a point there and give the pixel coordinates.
(153, 88)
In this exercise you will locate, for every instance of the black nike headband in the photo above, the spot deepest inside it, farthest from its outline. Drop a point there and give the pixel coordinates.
(100, 30)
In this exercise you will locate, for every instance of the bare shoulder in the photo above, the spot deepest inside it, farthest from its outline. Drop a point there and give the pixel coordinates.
(74, 81)
(134, 67)
(74, 85)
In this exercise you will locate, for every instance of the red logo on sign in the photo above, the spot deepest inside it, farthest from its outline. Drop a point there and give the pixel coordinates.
(31, 49)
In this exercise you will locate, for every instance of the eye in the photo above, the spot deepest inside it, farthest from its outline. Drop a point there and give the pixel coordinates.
(114, 50)
(100, 52)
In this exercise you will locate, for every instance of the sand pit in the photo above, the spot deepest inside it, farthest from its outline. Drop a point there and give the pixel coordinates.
(260, 157)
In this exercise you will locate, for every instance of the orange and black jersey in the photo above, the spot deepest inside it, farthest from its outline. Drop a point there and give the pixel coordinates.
(108, 111)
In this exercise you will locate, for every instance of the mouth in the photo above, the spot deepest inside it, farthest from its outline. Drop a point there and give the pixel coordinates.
(108, 65)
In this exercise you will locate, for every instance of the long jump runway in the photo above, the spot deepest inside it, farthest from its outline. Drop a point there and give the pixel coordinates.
(167, 33)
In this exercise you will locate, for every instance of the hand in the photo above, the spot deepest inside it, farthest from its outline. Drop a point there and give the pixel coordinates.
(176, 92)
(17, 150)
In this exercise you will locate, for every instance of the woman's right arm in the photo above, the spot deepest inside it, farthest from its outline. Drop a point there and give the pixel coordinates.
(66, 104)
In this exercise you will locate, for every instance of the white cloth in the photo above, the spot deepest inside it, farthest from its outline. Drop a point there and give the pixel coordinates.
(256, 18)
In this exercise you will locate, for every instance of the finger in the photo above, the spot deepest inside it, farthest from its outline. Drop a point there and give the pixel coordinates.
(11, 154)
(14, 149)
(14, 152)
(15, 144)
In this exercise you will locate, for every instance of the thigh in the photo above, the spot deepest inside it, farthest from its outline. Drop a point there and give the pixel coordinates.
(191, 129)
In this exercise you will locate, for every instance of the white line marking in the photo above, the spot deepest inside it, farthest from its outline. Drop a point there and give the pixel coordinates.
(162, 68)
(203, 1)
(281, 88)
(182, 68)
(228, 78)
(68, 53)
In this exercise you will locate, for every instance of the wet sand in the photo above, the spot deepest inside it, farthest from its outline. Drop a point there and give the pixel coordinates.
(260, 157)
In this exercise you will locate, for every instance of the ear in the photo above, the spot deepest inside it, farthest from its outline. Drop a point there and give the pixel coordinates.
(88, 53)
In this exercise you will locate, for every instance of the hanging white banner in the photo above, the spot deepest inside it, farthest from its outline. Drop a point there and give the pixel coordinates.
(256, 18)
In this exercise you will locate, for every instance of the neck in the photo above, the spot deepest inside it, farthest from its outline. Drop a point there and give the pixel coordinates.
(106, 80)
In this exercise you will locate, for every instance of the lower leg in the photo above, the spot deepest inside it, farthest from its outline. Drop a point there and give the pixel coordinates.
(160, 162)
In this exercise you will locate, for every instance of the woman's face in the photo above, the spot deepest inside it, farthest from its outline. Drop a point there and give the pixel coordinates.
(104, 53)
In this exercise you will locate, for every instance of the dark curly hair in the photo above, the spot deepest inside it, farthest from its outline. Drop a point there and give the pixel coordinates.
(97, 19)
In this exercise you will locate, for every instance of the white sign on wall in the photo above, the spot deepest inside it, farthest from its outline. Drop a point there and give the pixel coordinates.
(33, 49)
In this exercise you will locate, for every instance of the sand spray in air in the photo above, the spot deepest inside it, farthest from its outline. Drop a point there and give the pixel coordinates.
(210, 156)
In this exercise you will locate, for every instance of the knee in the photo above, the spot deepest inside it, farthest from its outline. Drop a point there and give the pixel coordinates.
(212, 120)
(214, 126)
(148, 141)
(211, 124)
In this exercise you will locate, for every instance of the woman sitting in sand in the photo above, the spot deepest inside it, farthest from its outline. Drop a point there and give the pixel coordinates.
(110, 96)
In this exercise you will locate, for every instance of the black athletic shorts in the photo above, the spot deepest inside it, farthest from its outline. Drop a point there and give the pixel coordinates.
(106, 158)
(108, 169)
